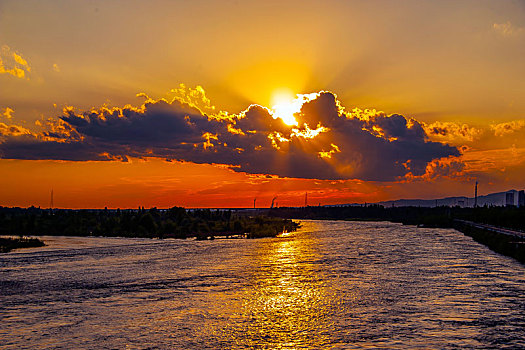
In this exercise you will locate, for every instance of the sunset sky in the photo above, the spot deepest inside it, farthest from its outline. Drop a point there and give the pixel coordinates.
(215, 103)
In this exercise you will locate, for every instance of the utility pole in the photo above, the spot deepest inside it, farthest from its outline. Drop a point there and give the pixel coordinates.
(51, 204)
(476, 195)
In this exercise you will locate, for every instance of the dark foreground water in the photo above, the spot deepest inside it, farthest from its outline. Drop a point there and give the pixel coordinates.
(340, 285)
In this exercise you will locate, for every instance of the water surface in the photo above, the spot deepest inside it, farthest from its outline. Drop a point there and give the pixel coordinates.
(331, 285)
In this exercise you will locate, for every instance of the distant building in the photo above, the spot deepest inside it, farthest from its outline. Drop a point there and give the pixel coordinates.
(521, 198)
(509, 198)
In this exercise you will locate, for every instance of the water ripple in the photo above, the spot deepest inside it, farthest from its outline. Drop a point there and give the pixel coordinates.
(331, 285)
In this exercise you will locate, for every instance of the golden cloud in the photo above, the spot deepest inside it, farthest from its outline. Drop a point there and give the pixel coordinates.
(8, 113)
(13, 130)
(450, 132)
(508, 127)
(13, 63)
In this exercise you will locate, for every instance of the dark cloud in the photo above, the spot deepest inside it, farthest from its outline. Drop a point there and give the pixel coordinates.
(327, 144)
(29, 147)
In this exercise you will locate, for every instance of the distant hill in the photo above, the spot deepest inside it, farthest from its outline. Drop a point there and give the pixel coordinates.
(496, 199)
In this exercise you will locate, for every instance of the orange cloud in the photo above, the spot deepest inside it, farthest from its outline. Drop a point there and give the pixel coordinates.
(502, 129)
(57, 130)
(8, 113)
(13, 63)
(13, 130)
(451, 132)
(449, 167)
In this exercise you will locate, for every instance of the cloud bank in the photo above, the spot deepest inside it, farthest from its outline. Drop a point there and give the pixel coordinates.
(327, 142)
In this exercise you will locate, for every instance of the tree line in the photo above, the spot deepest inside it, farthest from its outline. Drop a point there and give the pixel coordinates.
(508, 217)
(176, 222)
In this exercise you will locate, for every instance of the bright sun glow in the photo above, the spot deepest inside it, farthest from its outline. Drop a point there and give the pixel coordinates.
(284, 105)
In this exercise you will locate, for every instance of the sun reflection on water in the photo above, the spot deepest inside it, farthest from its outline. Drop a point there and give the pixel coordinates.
(288, 302)
(334, 285)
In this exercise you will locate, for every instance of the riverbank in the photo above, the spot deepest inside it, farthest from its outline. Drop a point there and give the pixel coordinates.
(9, 243)
(501, 241)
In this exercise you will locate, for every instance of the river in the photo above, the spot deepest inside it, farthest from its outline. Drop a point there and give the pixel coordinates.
(330, 285)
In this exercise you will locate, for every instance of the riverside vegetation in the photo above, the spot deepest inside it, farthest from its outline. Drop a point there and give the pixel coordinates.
(9, 243)
(175, 222)
(443, 217)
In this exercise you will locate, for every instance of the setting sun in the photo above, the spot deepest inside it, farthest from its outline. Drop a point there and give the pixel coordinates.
(284, 105)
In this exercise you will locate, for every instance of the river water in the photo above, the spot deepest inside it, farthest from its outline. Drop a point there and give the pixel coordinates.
(330, 285)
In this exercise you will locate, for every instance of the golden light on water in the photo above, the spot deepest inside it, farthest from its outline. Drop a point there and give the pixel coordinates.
(291, 302)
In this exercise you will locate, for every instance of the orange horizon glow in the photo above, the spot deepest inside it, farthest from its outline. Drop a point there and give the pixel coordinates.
(156, 183)
(343, 100)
